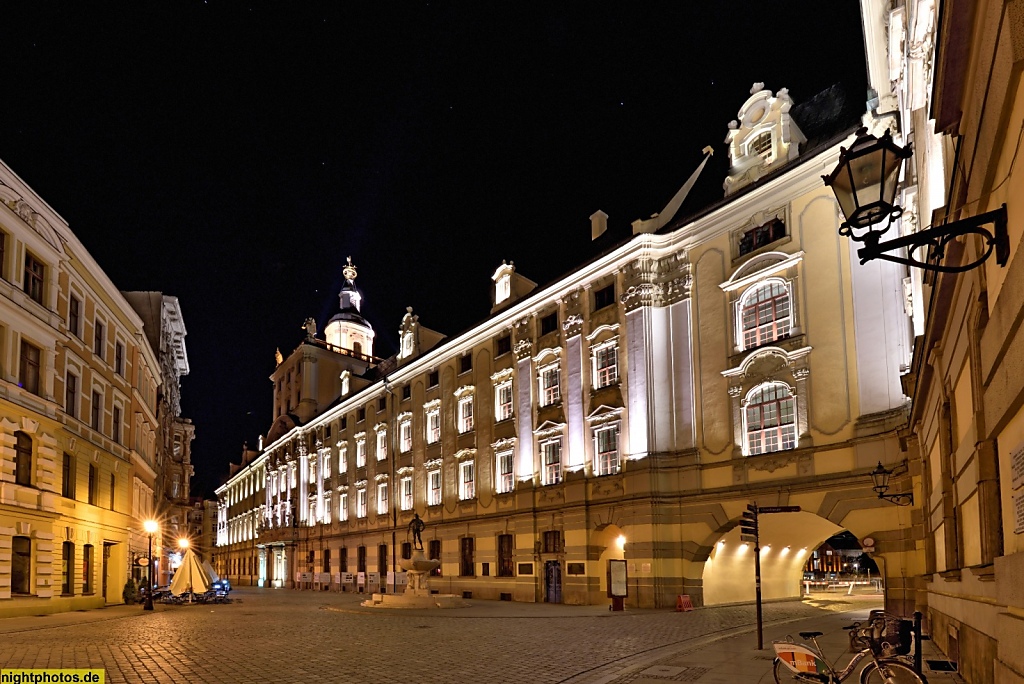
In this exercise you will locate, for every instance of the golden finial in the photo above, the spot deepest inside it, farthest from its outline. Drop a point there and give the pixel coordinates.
(349, 271)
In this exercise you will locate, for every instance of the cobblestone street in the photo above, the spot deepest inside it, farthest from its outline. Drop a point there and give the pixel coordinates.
(275, 636)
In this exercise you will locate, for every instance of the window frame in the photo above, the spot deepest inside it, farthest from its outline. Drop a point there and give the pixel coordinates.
(551, 471)
(465, 414)
(406, 493)
(503, 410)
(24, 464)
(435, 495)
(30, 367)
(608, 374)
(751, 305)
(505, 482)
(606, 462)
(549, 394)
(382, 498)
(34, 283)
(361, 503)
(433, 425)
(467, 480)
(784, 433)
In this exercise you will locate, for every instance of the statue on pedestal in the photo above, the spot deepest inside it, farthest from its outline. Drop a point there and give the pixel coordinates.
(416, 527)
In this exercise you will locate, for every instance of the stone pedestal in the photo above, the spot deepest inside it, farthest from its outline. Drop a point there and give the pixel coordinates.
(417, 591)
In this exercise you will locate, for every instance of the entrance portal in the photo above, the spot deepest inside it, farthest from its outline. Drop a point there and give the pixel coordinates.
(553, 581)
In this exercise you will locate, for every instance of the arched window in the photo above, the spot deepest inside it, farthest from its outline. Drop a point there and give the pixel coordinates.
(765, 314)
(761, 145)
(770, 416)
(23, 459)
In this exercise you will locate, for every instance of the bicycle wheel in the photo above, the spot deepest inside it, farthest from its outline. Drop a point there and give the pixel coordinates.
(889, 672)
(784, 675)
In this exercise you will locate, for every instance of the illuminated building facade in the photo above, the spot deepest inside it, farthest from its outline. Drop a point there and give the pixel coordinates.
(78, 400)
(629, 410)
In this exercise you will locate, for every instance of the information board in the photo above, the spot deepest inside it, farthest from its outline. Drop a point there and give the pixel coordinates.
(617, 579)
(1017, 467)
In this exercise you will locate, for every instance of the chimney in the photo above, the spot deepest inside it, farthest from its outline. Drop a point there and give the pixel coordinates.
(598, 224)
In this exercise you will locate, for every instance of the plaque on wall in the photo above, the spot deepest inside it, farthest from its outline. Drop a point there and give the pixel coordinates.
(1017, 467)
(526, 568)
(1018, 513)
(577, 569)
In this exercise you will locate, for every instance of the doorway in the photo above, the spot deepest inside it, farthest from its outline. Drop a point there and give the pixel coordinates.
(105, 568)
(553, 581)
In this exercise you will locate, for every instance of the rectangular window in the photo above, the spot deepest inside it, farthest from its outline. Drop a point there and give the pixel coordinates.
(467, 566)
(604, 297)
(67, 485)
(406, 550)
(758, 237)
(503, 401)
(97, 410)
(606, 450)
(343, 559)
(21, 565)
(382, 404)
(549, 323)
(67, 560)
(465, 363)
(93, 484)
(505, 482)
(113, 490)
(433, 426)
(606, 368)
(405, 436)
(361, 559)
(434, 553)
(117, 424)
(34, 271)
(360, 415)
(382, 498)
(87, 568)
(360, 453)
(549, 385)
(119, 358)
(434, 488)
(343, 458)
(97, 339)
(23, 466)
(382, 561)
(361, 504)
(71, 395)
(327, 508)
(327, 464)
(552, 455)
(506, 566)
(407, 493)
(467, 483)
(382, 444)
(28, 372)
(503, 345)
(75, 316)
(406, 392)
(552, 541)
(343, 507)
(465, 414)
(432, 379)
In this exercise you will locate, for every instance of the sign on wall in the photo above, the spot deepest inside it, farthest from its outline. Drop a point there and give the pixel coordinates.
(1018, 509)
(1017, 467)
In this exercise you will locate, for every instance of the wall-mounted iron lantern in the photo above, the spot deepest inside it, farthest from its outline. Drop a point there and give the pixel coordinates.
(865, 183)
(880, 477)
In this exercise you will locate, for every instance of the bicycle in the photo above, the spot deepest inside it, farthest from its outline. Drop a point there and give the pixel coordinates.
(798, 663)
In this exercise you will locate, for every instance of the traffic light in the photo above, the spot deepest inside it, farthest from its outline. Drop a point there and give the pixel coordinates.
(748, 524)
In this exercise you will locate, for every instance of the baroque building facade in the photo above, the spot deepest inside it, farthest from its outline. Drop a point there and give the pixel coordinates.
(630, 410)
(78, 400)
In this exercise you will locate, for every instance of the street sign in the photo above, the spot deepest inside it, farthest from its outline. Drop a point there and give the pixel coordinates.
(142, 560)
(778, 509)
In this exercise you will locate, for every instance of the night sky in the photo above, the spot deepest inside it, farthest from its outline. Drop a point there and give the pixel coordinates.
(234, 154)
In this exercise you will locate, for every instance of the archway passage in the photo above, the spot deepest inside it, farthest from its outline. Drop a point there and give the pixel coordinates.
(787, 540)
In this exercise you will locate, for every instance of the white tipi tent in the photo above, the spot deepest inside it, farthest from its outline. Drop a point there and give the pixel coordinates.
(190, 576)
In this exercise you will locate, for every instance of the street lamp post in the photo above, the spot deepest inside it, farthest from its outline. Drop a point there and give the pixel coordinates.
(150, 526)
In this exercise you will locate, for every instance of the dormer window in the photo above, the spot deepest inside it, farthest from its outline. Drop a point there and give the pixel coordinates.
(761, 146)
(502, 288)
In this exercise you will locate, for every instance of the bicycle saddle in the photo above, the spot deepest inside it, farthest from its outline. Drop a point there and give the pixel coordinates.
(810, 635)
